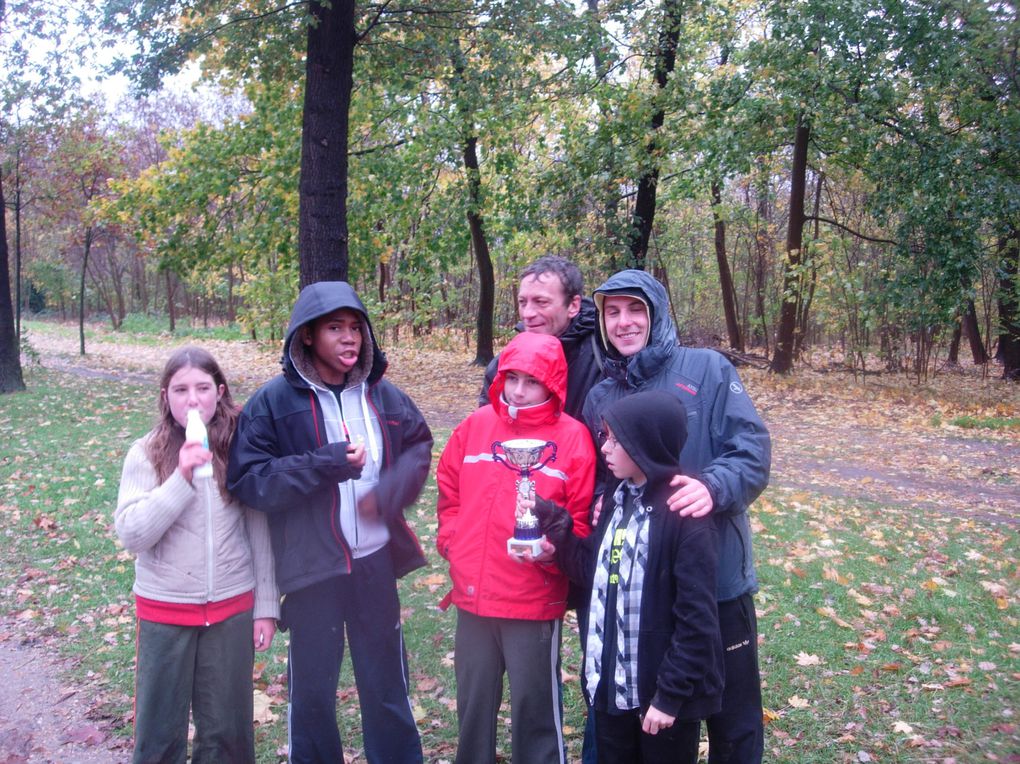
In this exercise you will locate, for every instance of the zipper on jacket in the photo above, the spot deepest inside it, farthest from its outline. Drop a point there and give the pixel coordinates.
(351, 492)
(206, 488)
(315, 407)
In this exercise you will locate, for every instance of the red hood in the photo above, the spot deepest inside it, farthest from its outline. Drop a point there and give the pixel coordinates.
(541, 356)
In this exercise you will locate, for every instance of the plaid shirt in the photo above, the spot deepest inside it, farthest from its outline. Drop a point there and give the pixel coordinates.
(632, 543)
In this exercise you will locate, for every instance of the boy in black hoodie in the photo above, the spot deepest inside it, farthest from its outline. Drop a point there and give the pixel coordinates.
(334, 454)
(653, 656)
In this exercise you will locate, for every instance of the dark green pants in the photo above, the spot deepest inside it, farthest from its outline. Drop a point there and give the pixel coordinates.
(528, 653)
(206, 669)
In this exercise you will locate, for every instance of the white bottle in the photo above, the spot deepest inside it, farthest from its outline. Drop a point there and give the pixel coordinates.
(195, 432)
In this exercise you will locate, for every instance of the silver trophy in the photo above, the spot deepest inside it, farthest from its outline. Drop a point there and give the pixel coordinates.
(524, 456)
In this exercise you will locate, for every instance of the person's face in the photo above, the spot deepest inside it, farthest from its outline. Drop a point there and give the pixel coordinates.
(626, 320)
(191, 388)
(617, 459)
(335, 341)
(522, 389)
(543, 306)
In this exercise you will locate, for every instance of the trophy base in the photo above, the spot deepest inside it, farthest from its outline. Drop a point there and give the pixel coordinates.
(520, 546)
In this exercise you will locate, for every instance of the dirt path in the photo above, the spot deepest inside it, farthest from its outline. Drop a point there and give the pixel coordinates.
(849, 445)
(894, 463)
(44, 718)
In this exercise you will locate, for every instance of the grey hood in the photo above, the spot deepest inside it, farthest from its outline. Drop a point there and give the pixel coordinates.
(662, 339)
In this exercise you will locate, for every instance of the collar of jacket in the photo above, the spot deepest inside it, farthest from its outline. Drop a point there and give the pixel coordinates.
(533, 416)
(636, 370)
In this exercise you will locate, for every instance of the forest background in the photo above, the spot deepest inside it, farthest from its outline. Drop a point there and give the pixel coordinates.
(828, 188)
(799, 174)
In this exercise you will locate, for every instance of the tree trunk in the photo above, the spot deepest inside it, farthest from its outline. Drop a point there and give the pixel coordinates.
(329, 78)
(81, 290)
(17, 242)
(782, 361)
(171, 310)
(610, 190)
(762, 255)
(1009, 304)
(644, 203)
(486, 277)
(11, 379)
(804, 300)
(729, 295)
(953, 356)
(973, 331)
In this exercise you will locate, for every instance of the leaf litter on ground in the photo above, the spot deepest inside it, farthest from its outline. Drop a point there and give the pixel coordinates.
(886, 546)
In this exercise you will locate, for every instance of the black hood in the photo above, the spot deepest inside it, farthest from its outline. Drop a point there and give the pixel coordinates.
(581, 326)
(321, 299)
(652, 428)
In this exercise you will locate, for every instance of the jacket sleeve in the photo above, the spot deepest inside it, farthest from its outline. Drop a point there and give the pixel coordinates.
(581, 483)
(594, 403)
(575, 555)
(690, 673)
(401, 481)
(448, 483)
(267, 595)
(739, 469)
(146, 509)
(260, 475)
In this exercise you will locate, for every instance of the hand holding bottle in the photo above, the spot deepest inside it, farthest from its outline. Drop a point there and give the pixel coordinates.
(195, 458)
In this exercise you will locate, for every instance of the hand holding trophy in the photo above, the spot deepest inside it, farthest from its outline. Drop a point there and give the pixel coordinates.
(524, 456)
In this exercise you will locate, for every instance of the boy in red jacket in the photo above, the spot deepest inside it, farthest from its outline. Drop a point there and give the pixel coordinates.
(510, 607)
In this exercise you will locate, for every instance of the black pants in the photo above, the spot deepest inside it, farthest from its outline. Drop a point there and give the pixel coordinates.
(736, 734)
(621, 741)
(365, 603)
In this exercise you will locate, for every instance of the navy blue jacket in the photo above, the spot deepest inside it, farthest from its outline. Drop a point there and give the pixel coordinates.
(728, 447)
(282, 464)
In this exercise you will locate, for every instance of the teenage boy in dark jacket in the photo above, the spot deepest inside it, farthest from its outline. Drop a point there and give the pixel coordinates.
(726, 465)
(335, 454)
(652, 651)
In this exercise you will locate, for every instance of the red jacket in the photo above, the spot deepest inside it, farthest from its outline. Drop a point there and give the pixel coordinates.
(477, 494)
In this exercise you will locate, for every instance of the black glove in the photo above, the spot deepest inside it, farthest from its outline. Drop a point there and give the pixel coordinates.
(555, 522)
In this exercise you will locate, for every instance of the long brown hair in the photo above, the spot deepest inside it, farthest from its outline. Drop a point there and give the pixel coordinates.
(167, 436)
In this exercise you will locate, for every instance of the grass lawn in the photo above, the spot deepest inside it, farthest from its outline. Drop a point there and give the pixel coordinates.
(886, 635)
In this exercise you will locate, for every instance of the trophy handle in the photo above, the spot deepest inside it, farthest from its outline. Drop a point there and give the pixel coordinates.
(496, 457)
(550, 458)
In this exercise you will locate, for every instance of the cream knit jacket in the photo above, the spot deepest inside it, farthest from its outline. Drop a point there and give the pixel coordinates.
(190, 546)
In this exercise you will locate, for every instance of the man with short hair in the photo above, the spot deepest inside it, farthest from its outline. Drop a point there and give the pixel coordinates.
(549, 301)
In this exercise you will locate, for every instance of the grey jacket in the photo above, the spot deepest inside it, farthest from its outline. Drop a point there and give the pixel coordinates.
(192, 547)
(728, 447)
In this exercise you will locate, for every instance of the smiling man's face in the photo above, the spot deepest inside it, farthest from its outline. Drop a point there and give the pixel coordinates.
(626, 320)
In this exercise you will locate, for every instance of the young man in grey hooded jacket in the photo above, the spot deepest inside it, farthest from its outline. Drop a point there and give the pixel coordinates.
(726, 461)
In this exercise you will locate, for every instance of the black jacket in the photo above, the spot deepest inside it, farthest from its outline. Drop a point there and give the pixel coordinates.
(680, 654)
(282, 464)
(583, 354)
